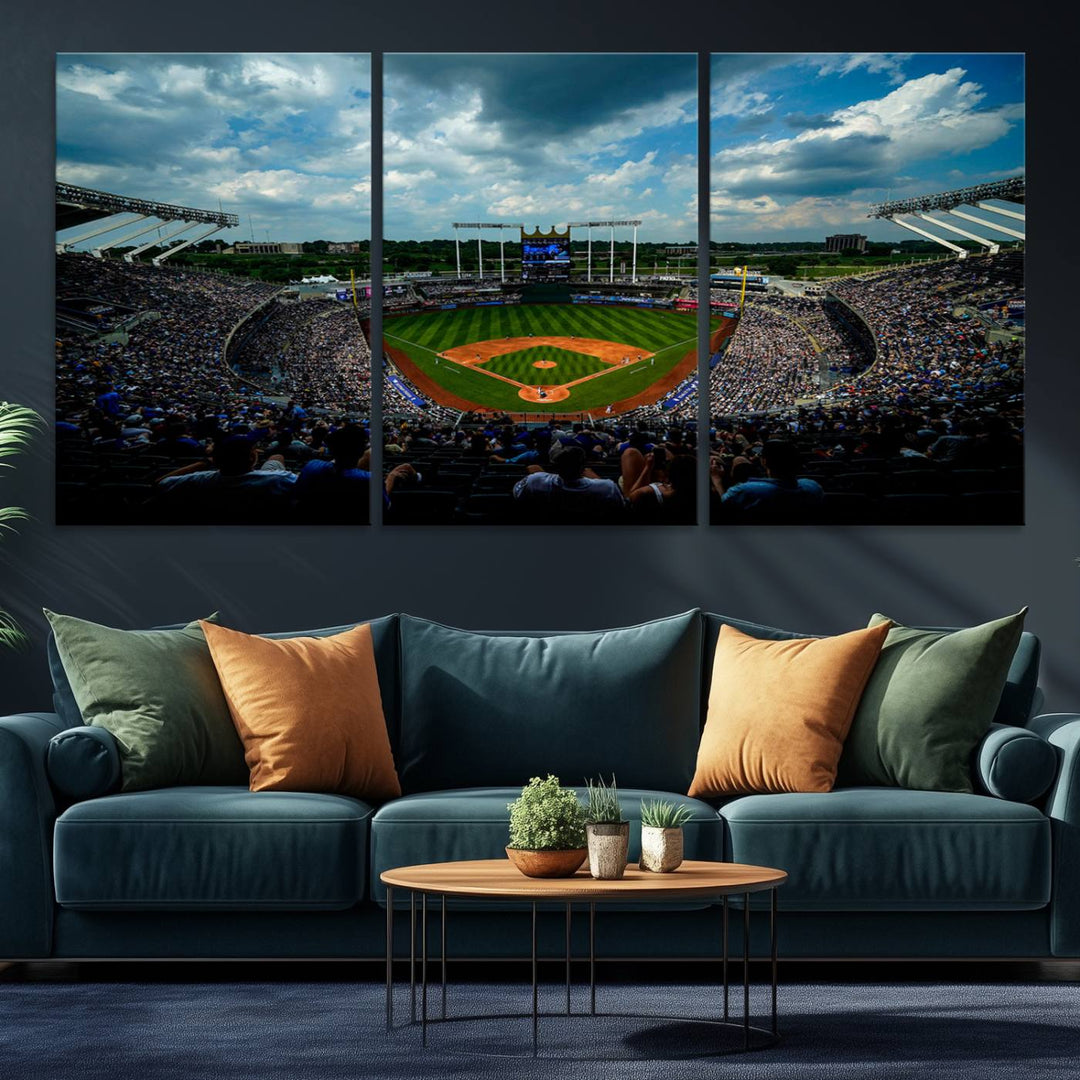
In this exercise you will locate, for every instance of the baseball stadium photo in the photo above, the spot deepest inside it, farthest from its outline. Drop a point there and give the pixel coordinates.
(869, 211)
(212, 223)
(539, 330)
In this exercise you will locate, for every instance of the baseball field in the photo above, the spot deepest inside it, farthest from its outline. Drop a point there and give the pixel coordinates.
(559, 358)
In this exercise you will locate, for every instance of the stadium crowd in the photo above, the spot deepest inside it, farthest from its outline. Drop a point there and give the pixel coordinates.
(312, 350)
(931, 432)
(153, 426)
(496, 472)
(769, 361)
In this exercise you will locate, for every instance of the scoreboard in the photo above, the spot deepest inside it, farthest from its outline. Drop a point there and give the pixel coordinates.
(545, 256)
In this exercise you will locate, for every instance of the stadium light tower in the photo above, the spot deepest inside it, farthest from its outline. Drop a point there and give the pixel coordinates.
(612, 225)
(480, 225)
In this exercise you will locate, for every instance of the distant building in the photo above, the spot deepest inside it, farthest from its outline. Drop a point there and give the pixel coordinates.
(345, 247)
(682, 251)
(245, 247)
(846, 242)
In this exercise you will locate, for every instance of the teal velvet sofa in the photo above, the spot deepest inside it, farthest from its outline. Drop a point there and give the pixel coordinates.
(197, 872)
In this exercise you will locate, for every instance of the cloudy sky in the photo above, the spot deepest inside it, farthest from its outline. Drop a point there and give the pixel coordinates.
(541, 139)
(801, 144)
(282, 138)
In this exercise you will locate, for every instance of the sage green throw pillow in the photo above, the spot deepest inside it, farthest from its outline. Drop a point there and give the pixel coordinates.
(931, 698)
(157, 692)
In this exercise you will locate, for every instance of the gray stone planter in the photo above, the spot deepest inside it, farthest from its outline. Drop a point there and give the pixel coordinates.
(661, 849)
(608, 844)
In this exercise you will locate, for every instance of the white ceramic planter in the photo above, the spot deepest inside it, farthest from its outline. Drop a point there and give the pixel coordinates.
(661, 849)
(608, 844)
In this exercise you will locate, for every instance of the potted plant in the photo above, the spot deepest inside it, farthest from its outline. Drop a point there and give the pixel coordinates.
(662, 835)
(608, 833)
(547, 830)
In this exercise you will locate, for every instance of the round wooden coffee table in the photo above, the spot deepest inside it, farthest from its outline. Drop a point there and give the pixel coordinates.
(499, 880)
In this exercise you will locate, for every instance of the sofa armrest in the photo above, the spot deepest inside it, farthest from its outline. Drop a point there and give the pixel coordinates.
(1062, 731)
(27, 814)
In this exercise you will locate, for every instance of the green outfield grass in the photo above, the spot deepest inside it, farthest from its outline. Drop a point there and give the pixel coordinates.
(521, 365)
(668, 334)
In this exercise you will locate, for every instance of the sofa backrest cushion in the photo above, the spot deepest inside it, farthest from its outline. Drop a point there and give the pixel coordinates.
(1017, 698)
(485, 710)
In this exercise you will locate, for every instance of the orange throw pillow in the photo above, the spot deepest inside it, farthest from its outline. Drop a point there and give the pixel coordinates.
(779, 711)
(308, 711)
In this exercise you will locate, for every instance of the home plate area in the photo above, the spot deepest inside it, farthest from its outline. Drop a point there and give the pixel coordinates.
(568, 361)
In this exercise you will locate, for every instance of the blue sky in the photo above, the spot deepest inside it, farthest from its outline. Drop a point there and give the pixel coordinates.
(541, 139)
(284, 139)
(801, 144)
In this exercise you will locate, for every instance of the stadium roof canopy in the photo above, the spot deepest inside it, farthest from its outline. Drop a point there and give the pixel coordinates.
(77, 205)
(901, 211)
(105, 212)
(1011, 190)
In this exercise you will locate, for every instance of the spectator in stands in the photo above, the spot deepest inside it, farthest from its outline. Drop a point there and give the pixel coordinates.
(335, 492)
(780, 496)
(568, 495)
(234, 490)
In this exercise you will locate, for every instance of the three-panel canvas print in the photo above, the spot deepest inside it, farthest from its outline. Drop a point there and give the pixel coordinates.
(535, 339)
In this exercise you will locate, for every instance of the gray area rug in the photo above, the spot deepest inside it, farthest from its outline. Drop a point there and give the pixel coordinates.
(335, 1031)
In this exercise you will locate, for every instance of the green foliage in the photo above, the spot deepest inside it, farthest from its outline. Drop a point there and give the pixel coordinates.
(604, 808)
(546, 817)
(658, 814)
(17, 425)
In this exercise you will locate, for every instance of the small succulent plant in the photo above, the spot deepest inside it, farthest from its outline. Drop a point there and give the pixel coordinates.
(658, 814)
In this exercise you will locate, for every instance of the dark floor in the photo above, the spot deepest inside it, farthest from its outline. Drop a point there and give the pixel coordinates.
(791, 972)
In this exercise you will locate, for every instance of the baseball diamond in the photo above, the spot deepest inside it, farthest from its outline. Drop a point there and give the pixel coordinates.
(544, 357)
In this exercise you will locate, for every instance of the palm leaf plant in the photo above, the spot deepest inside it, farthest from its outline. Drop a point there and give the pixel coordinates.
(17, 426)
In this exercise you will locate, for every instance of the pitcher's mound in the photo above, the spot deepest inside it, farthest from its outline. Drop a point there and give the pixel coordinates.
(551, 393)
(545, 364)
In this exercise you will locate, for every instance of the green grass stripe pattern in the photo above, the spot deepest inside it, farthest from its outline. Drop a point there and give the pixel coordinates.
(521, 365)
(668, 334)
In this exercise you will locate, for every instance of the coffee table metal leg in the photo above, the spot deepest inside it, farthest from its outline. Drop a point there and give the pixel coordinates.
(423, 969)
(746, 971)
(535, 991)
(725, 959)
(442, 941)
(772, 943)
(389, 958)
(592, 959)
(412, 957)
(568, 917)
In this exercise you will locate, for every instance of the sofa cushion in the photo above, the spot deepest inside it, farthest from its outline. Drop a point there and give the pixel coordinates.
(779, 711)
(889, 849)
(212, 849)
(308, 711)
(384, 640)
(84, 762)
(483, 710)
(931, 699)
(473, 823)
(158, 693)
(1017, 699)
(1011, 762)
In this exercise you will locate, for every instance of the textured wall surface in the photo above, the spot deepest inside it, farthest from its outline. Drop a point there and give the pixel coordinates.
(287, 578)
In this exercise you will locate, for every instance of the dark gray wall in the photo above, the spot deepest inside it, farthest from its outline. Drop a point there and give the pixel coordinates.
(813, 579)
